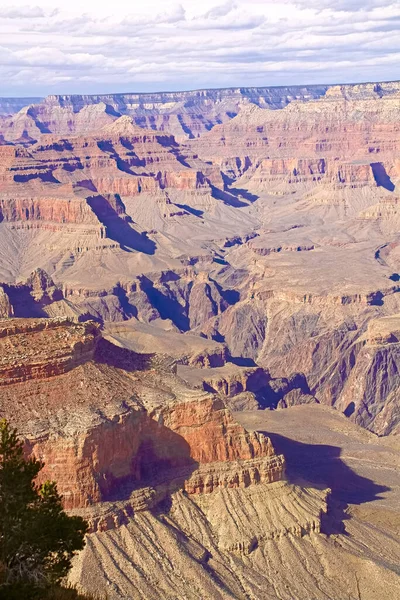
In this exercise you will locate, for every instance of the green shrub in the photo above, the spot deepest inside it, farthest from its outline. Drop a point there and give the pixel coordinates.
(37, 538)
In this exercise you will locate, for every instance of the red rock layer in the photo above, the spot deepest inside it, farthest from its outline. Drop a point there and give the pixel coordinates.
(300, 170)
(219, 438)
(60, 372)
(331, 126)
(138, 449)
(43, 348)
(51, 209)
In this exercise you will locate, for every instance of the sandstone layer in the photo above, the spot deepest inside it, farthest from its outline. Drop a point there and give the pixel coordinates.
(186, 114)
(263, 541)
(125, 418)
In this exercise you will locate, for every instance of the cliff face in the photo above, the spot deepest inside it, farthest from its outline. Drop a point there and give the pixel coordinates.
(369, 394)
(135, 450)
(139, 453)
(50, 354)
(95, 446)
(328, 126)
(55, 180)
(332, 173)
(274, 96)
(185, 114)
(163, 472)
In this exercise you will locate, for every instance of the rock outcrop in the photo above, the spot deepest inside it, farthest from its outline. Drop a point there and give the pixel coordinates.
(94, 445)
(249, 388)
(44, 350)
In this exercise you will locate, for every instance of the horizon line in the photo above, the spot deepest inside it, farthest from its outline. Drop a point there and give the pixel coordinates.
(205, 89)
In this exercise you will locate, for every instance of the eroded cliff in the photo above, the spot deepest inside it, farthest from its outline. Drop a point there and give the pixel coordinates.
(181, 499)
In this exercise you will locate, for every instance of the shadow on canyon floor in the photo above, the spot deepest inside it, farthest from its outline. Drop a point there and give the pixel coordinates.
(122, 358)
(227, 197)
(119, 229)
(167, 305)
(24, 304)
(381, 177)
(321, 466)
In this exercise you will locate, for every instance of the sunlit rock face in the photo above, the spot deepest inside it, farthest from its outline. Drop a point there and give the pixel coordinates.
(92, 444)
(266, 231)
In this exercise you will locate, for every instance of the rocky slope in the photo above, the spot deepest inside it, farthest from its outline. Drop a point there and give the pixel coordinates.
(181, 499)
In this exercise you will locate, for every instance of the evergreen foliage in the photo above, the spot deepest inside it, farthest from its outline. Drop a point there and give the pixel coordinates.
(37, 538)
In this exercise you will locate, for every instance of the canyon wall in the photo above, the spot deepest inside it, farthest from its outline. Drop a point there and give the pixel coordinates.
(95, 446)
(268, 235)
(185, 114)
(169, 258)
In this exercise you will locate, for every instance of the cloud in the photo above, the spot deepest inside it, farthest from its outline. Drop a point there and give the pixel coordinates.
(88, 24)
(176, 14)
(22, 12)
(190, 45)
(340, 5)
(50, 57)
(221, 10)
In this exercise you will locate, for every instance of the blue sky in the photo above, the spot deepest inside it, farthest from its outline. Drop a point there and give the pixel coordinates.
(54, 46)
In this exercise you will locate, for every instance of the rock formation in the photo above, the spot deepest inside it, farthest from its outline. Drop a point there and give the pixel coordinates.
(259, 225)
(181, 499)
(184, 114)
(147, 435)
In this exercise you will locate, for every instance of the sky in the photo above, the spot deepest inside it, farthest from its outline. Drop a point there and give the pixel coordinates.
(93, 46)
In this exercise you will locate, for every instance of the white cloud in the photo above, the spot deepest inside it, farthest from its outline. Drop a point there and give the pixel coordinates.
(340, 5)
(221, 10)
(21, 12)
(71, 47)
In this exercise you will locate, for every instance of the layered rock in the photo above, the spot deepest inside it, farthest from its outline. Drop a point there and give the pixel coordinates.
(277, 247)
(328, 127)
(272, 238)
(270, 174)
(53, 209)
(264, 538)
(186, 114)
(51, 353)
(369, 395)
(249, 388)
(95, 445)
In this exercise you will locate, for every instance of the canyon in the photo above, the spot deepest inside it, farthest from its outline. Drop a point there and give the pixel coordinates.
(187, 499)
(200, 333)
